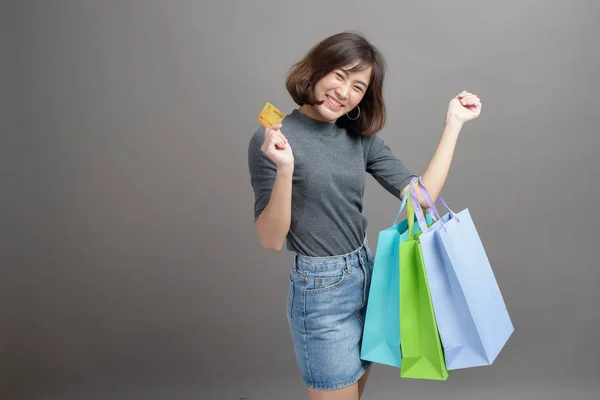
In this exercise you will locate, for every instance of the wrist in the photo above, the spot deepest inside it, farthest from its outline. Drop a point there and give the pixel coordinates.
(452, 124)
(285, 170)
(453, 121)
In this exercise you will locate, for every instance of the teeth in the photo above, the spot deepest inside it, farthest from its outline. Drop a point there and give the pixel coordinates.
(334, 101)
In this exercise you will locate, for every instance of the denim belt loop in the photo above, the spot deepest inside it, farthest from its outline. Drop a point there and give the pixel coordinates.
(348, 263)
(360, 257)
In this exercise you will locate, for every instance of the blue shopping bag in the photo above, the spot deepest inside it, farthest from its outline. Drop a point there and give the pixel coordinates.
(381, 333)
(471, 315)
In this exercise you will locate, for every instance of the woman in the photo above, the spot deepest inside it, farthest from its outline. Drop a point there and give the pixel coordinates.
(308, 176)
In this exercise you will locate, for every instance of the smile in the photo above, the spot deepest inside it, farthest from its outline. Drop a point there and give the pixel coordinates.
(334, 102)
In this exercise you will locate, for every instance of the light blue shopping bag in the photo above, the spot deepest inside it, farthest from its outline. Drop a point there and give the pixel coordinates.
(471, 315)
(381, 333)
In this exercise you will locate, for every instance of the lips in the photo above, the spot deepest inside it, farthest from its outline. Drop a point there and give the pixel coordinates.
(334, 102)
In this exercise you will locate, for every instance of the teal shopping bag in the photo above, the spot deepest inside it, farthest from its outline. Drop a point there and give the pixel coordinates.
(381, 334)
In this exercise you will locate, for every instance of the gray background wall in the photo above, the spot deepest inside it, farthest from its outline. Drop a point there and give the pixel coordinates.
(129, 265)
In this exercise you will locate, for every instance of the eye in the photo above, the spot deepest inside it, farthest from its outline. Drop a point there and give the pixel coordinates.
(359, 88)
(339, 76)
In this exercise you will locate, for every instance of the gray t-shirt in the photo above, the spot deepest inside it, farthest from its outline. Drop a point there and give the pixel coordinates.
(328, 182)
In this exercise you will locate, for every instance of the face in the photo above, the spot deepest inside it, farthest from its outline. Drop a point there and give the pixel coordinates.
(342, 90)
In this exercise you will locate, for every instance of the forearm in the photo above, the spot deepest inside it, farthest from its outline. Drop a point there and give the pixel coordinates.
(273, 224)
(437, 170)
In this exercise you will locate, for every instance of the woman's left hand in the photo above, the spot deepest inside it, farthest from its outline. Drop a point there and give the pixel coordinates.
(464, 107)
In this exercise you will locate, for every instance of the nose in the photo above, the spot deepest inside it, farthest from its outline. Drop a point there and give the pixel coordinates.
(342, 91)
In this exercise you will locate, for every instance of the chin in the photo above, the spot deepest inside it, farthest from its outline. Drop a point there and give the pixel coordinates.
(328, 114)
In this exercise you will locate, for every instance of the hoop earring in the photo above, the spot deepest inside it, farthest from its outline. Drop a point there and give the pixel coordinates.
(355, 118)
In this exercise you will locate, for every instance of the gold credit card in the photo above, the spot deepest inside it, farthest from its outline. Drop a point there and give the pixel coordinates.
(270, 115)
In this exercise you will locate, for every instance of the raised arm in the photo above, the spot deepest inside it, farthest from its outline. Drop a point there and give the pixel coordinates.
(271, 166)
(462, 108)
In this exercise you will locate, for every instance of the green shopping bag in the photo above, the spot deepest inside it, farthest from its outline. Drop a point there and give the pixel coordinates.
(422, 354)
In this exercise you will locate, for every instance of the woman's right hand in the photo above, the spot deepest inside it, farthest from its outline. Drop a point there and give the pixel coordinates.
(277, 148)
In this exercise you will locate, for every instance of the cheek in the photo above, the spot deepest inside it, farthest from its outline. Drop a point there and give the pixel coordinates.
(355, 98)
(325, 85)
(319, 91)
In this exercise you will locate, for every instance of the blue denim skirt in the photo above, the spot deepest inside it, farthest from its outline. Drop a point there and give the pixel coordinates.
(326, 307)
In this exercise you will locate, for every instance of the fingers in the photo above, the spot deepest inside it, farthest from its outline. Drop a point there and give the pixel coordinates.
(274, 138)
(276, 126)
(271, 128)
(471, 100)
(274, 130)
(279, 141)
(467, 98)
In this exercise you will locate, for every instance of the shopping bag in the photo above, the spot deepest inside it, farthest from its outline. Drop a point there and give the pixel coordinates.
(381, 333)
(473, 322)
(422, 354)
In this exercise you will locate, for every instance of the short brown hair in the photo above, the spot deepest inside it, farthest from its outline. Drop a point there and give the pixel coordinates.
(338, 51)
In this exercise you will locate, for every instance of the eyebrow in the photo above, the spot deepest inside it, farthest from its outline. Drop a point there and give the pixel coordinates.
(361, 82)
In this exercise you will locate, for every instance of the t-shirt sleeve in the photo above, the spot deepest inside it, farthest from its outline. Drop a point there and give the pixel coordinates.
(262, 173)
(385, 167)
